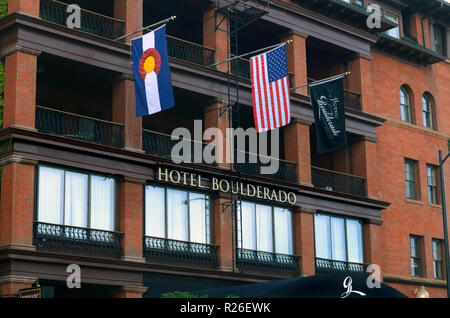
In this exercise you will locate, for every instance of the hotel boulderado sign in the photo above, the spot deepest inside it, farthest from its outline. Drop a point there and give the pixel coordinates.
(223, 185)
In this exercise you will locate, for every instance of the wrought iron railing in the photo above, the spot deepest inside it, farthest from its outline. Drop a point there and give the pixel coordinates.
(190, 52)
(91, 22)
(352, 100)
(287, 170)
(181, 253)
(338, 182)
(54, 122)
(76, 240)
(328, 265)
(258, 261)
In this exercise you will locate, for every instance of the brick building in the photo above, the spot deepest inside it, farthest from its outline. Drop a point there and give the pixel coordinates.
(84, 181)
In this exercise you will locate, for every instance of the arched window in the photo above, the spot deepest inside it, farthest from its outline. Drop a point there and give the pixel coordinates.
(405, 104)
(427, 111)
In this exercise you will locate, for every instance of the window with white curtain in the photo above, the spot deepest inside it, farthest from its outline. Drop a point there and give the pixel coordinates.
(338, 238)
(264, 228)
(177, 215)
(75, 199)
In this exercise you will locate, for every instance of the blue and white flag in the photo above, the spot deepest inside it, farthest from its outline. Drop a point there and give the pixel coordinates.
(152, 81)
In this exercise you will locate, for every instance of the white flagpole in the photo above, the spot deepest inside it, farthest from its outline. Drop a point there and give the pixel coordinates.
(324, 80)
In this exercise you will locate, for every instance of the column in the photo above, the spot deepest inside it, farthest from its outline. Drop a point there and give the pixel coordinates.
(372, 240)
(216, 116)
(131, 218)
(297, 148)
(130, 292)
(215, 35)
(29, 7)
(364, 156)
(304, 239)
(124, 112)
(296, 57)
(10, 285)
(17, 203)
(130, 11)
(20, 86)
(360, 80)
(223, 231)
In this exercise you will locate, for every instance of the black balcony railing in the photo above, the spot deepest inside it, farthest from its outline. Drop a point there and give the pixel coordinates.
(181, 253)
(338, 182)
(287, 170)
(91, 22)
(190, 52)
(74, 240)
(327, 265)
(352, 100)
(54, 122)
(258, 261)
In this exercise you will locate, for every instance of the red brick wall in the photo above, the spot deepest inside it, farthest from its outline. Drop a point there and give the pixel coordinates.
(30, 7)
(129, 11)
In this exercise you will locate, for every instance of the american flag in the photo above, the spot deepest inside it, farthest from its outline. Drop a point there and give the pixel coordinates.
(270, 88)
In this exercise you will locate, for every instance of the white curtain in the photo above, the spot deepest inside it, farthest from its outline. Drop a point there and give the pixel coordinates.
(177, 215)
(322, 236)
(50, 200)
(338, 239)
(264, 228)
(197, 217)
(155, 222)
(102, 203)
(76, 199)
(283, 231)
(247, 226)
(354, 241)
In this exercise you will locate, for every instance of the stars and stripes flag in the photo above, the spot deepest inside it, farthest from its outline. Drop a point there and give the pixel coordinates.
(270, 88)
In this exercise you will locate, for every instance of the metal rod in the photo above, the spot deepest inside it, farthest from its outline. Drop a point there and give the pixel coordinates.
(147, 27)
(322, 80)
(252, 52)
(444, 216)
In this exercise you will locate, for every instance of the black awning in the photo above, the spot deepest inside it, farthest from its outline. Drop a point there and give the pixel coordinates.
(318, 286)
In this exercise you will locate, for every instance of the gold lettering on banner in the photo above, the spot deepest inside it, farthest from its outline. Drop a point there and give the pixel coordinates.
(225, 186)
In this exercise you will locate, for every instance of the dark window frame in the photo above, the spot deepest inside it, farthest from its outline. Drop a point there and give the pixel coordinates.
(433, 189)
(416, 264)
(407, 105)
(428, 114)
(438, 259)
(411, 183)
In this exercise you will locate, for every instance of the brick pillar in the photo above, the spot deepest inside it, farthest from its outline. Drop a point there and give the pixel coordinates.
(124, 112)
(216, 117)
(29, 7)
(360, 81)
(10, 285)
(223, 231)
(296, 57)
(215, 35)
(20, 86)
(365, 164)
(17, 204)
(131, 207)
(297, 148)
(304, 240)
(372, 244)
(130, 292)
(130, 11)
(415, 23)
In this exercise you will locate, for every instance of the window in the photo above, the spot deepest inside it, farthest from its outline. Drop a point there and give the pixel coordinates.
(427, 111)
(75, 199)
(405, 105)
(410, 179)
(265, 228)
(432, 184)
(437, 259)
(338, 239)
(439, 39)
(177, 215)
(416, 259)
(395, 32)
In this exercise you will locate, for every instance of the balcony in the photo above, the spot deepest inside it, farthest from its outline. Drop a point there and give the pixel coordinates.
(351, 99)
(91, 22)
(258, 261)
(327, 265)
(75, 240)
(190, 52)
(68, 125)
(287, 170)
(338, 182)
(180, 253)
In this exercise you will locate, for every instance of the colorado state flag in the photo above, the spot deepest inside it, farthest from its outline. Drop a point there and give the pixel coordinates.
(152, 81)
